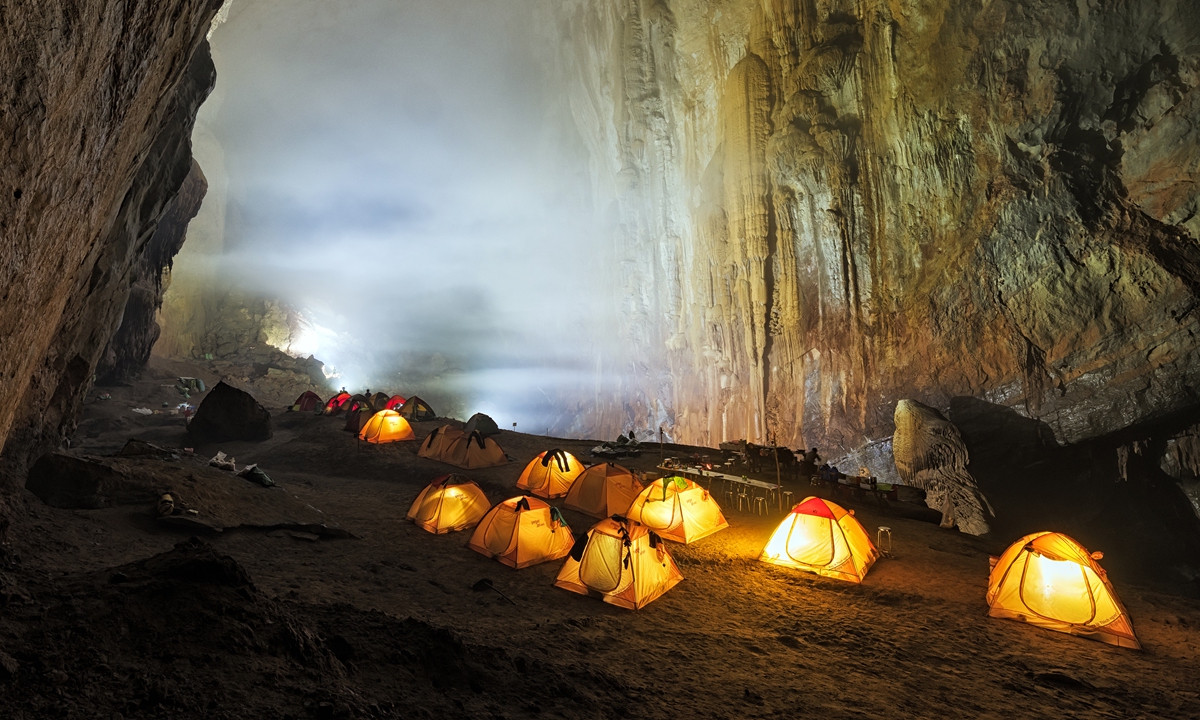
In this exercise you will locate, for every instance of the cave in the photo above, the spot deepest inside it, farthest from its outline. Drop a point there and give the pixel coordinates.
(313, 315)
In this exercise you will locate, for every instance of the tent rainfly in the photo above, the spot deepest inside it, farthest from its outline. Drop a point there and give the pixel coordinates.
(522, 531)
(450, 445)
(483, 424)
(358, 411)
(622, 562)
(307, 402)
(449, 503)
(550, 474)
(415, 409)
(603, 490)
(394, 402)
(386, 426)
(822, 537)
(678, 509)
(1050, 580)
(334, 406)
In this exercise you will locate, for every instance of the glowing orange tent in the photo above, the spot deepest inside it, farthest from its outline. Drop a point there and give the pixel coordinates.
(307, 402)
(1049, 580)
(603, 490)
(334, 406)
(449, 503)
(386, 426)
(623, 563)
(678, 509)
(522, 531)
(394, 402)
(550, 474)
(822, 537)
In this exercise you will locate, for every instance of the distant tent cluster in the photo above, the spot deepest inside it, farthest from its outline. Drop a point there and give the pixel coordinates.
(377, 419)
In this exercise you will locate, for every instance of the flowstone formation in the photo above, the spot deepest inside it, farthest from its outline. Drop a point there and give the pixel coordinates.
(825, 206)
(931, 455)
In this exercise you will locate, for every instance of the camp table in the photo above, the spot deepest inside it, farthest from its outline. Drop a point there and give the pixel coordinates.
(732, 479)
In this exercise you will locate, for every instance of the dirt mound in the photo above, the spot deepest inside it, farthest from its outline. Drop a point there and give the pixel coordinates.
(186, 633)
(205, 498)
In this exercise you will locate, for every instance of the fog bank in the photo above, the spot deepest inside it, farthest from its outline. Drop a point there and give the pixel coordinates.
(406, 177)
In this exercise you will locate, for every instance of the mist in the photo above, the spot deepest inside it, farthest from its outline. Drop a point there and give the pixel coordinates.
(405, 177)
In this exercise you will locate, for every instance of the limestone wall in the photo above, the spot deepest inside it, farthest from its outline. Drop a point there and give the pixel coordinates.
(827, 205)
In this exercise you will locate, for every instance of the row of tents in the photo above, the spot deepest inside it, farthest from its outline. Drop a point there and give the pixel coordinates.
(358, 405)
(1046, 579)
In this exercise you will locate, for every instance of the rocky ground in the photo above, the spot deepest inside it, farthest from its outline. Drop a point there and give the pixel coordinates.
(111, 613)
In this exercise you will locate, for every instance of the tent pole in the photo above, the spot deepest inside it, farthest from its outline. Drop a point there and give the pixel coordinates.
(660, 445)
(778, 477)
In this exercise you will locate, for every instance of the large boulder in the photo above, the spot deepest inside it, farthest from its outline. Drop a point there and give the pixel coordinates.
(66, 481)
(230, 414)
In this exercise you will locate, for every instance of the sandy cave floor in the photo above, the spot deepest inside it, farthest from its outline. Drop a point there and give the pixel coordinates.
(736, 639)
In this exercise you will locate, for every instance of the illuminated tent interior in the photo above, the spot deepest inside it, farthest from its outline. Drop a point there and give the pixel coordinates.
(622, 562)
(448, 504)
(522, 531)
(1049, 580)
(386, 426)
(678, 509)
(822, 537)
(949, 249)
(550, 474)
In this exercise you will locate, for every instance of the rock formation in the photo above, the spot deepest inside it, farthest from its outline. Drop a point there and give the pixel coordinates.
(99, 101)
(823, 206)
(227, 413)
(129, 350)
(930, 454)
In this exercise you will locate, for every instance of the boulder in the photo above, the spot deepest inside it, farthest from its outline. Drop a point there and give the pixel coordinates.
(230, 414)
(66, 481)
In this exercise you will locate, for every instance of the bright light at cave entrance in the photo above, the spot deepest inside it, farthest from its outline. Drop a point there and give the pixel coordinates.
(407, 176)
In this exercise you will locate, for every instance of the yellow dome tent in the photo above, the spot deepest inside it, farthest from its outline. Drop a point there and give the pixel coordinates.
(437, 442)
(449, 503)
(450, 445)
(386, 426)
(623, 563)
(522, 531)
(550, 474)
(823, 538)
(1049, 580)
(678, 509)
(603, 490)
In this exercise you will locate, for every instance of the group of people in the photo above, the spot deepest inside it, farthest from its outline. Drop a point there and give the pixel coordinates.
(825, 474)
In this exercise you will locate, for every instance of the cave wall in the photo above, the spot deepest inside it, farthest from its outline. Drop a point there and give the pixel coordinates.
(823, 206)
(129, 350)
(100, 99)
